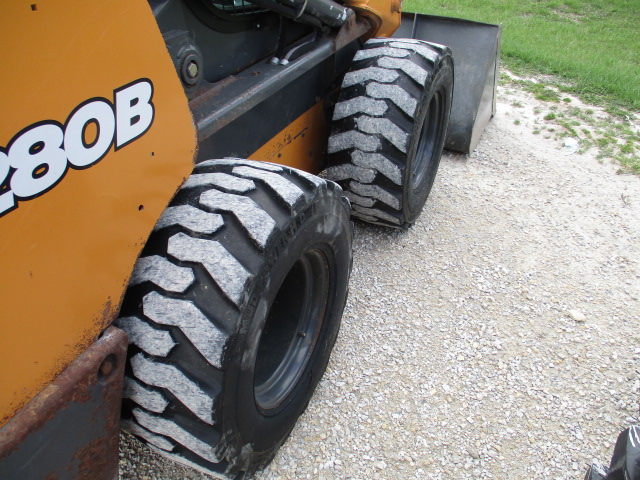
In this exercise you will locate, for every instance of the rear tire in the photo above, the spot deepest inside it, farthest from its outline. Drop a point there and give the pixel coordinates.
(389, 127)
(232, 312)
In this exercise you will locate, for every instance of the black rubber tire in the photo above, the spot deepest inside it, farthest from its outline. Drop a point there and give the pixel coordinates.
(389, 127)
(232, 311)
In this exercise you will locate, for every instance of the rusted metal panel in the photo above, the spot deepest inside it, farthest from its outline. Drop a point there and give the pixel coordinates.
(70, 429)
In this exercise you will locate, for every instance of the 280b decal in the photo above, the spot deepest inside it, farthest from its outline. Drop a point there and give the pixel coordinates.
(37, 158)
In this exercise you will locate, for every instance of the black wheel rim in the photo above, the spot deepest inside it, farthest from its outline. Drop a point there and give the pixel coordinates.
(291, 330)
(428, 143)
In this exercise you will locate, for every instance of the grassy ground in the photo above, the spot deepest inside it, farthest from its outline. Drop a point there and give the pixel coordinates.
(595, 44)
(590, 49)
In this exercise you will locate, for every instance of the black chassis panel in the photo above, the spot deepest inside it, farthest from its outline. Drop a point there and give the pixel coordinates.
(240, 100)
(268, 112)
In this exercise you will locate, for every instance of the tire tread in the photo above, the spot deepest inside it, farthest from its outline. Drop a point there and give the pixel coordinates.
(225, 203)
(373, 122)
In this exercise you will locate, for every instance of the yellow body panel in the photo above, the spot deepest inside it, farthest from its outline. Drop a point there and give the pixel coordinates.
(302, 144)
(67, 254)
(385, 15)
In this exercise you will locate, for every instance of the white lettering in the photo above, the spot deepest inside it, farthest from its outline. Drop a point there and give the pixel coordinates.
(81, 155)
(134, 111)
(7, 202)
(39, 160)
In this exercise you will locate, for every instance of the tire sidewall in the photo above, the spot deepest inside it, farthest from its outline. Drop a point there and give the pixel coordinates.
(323, 224)
(414, 198)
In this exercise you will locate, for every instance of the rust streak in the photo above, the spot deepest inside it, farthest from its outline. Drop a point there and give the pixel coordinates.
(83, 404)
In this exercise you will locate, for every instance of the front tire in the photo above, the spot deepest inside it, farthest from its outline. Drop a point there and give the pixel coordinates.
(232, 312)
(389, 127)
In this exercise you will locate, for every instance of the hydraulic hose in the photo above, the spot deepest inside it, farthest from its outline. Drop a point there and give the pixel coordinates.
(326, 12)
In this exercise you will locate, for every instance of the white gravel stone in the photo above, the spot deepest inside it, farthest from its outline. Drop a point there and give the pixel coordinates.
(577, 315)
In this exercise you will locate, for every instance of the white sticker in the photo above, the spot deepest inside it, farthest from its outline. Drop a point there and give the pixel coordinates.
(38, 156)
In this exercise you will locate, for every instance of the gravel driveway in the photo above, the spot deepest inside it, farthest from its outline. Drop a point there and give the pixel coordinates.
(497, 338)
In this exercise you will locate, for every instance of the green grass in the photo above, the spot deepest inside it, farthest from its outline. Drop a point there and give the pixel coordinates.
(591, 46)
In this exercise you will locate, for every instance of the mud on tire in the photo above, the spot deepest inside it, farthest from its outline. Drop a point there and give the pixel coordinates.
(232, 311)
(389, 127)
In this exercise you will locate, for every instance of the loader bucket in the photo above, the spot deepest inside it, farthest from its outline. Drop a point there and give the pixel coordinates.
(476, 48)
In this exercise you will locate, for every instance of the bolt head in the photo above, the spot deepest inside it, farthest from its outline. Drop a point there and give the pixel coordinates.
(192, 69)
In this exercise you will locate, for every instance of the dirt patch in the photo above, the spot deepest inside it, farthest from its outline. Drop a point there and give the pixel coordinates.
(559, 115)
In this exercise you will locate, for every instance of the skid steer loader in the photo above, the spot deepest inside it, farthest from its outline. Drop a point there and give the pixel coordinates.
(171, 262)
